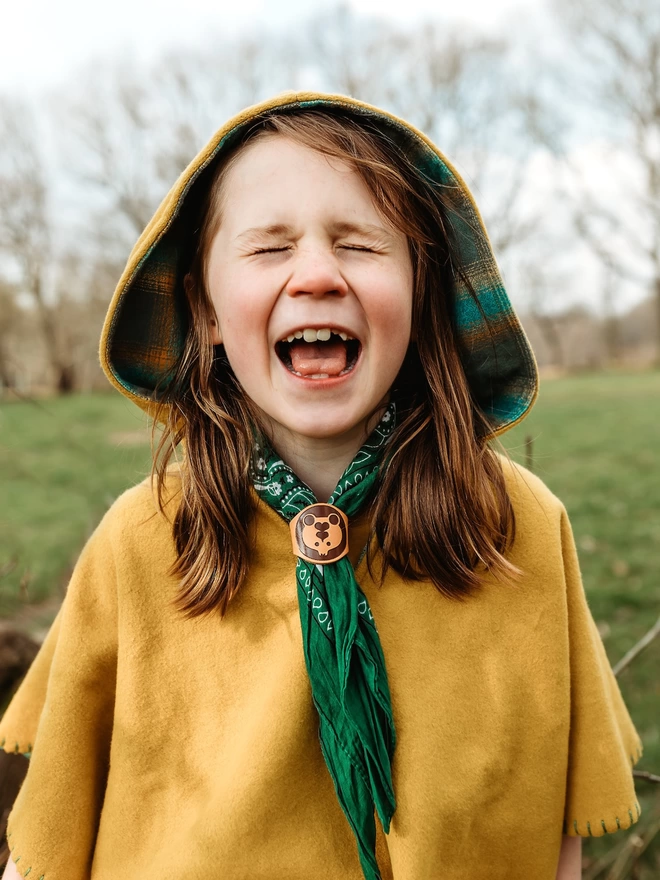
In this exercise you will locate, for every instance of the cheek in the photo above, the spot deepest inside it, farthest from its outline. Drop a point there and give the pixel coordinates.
(243, 309)
(391, 306)
(240, 305)
(391, 310)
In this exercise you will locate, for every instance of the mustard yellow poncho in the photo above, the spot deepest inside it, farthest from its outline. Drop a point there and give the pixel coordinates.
(188, 749)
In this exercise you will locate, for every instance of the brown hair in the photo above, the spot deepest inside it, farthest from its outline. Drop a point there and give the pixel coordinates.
(441, 510)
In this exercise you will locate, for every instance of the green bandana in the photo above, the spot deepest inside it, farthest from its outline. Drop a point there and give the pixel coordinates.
(343, 654)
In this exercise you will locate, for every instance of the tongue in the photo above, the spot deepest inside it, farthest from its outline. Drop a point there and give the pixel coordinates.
(308, 358)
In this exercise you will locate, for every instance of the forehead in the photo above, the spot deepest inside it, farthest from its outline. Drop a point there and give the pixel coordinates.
(277, 175)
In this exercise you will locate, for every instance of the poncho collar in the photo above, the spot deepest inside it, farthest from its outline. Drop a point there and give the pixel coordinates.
(146, 325)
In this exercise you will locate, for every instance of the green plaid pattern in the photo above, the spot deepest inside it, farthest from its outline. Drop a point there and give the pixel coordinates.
(148, 325)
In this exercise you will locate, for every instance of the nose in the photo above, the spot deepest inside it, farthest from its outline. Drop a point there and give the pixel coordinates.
(316, 271)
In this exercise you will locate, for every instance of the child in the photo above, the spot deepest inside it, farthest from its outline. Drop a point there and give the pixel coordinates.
(342, 614)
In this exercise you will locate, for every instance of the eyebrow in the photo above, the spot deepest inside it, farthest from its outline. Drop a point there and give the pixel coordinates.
(277, 230)
(366, 229)
(260, 232)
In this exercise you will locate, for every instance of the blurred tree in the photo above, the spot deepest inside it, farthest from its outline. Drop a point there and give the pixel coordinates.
(107, 148)
(547, 320)
(353, 55)
(615, 87)
(10, 320)
(25, 227)
(459, 87)
(132, 129)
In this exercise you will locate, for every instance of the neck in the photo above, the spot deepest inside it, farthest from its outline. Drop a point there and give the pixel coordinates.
(320, 461)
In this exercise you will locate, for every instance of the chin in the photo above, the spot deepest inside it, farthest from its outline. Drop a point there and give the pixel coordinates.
(319, 428)
(320, 432)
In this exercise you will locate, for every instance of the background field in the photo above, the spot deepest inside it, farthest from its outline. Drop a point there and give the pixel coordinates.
(595, 442)
(63, 461)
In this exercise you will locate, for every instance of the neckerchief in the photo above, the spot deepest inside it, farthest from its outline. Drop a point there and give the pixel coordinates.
(342, 649)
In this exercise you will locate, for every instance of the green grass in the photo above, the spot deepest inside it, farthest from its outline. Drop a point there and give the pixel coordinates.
(595, 442)
(62, 463)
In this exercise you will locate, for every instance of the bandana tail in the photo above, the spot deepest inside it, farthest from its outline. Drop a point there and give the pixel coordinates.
(366, 707)
(374, 725)
(354, 797)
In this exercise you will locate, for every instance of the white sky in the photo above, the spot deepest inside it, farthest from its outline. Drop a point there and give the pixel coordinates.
(44, 41)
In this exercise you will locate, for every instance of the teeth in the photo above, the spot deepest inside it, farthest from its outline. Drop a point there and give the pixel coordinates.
(319, 376)
(311, 335)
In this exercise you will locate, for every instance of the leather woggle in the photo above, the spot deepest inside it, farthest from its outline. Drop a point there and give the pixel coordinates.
(320, 534)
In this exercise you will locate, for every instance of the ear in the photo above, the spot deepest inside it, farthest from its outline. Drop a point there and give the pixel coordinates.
(214, 328)
(216, 338)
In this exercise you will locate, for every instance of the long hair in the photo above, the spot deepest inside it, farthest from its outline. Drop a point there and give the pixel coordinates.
(441, 510)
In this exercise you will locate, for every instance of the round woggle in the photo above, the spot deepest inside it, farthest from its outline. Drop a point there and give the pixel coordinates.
(319, 534)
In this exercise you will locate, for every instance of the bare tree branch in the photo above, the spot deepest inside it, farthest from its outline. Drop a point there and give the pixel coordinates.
(25, 225)
(616, 59)
(643, 643)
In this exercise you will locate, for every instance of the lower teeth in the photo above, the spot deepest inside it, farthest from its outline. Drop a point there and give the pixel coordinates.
(322, 375)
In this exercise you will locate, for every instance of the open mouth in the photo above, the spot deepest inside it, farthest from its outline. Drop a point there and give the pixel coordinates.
(319, 354)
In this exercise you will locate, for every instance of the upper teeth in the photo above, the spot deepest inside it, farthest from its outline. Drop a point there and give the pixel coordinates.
(310, 335)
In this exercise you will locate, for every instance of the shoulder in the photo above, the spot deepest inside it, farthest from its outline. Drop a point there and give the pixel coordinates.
(528, 493)
(136, 516)
(540, 517)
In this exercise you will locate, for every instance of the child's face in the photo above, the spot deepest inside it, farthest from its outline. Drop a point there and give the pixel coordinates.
(301, 246)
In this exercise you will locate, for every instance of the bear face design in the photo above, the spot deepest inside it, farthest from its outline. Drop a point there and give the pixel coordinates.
(320, 533)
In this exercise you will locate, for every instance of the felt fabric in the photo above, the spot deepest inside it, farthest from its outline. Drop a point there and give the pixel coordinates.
(146, 324)
(189, 749)
(343, 654)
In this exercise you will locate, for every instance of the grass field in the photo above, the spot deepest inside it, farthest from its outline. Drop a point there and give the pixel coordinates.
(595, 442)
(62, 463)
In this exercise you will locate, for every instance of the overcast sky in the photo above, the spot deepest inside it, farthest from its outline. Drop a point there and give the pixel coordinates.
(44, 41)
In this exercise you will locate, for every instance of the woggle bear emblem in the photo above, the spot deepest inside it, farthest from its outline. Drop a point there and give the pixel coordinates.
(320, 534)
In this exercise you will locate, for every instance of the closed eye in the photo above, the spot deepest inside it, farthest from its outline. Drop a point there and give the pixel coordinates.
(356, 247)
(273, 250)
